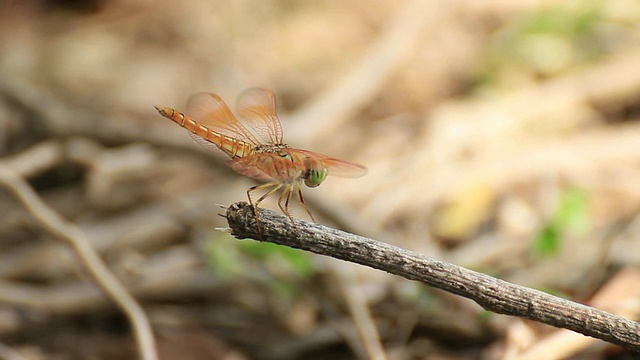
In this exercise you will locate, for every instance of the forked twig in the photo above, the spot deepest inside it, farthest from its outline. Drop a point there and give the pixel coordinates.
(70, 233)
(491, 293)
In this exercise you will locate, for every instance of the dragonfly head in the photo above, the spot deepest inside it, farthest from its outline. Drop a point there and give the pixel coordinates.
(315, 177)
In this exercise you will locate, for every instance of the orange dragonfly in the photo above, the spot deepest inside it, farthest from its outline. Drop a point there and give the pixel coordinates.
(255, 146)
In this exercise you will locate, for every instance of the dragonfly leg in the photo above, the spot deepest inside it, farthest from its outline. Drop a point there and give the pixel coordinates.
(286, 193)
(301, 199)
(274, 188)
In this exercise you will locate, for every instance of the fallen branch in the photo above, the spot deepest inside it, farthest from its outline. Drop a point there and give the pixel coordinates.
(89, 257)
(492, 294)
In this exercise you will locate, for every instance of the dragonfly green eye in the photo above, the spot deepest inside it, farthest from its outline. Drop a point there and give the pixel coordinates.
(315, 177)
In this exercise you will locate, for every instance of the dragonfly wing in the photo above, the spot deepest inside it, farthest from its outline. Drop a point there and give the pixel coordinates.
(257, 107)
(267, 168)
(341, 168)
(252, 167)
(203, 142)
(212, 112)
(335, 167)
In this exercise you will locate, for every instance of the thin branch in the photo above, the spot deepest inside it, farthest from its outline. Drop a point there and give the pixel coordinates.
(360, 312)
(87, 254)
(8, 353)
(492, 294)
(36, 159)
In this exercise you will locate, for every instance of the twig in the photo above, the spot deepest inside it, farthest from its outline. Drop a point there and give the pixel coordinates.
(360, 312)
(87, 254)
(36, 159)
(620, 294)
(492, 294)
(8, 353)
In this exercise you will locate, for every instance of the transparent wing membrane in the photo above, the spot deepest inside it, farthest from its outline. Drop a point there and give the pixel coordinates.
(257, 108)
(212, 112)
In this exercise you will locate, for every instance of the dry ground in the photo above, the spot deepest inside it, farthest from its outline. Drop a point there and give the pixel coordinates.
(499, 135)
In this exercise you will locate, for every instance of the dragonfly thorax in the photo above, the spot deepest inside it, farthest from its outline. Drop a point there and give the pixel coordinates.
(272, 148)
(275, 149)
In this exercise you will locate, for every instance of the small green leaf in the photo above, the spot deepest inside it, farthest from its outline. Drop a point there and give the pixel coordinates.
(297, 260)
(222, 255)
(548, 241)
(570, 217)
(485, 315)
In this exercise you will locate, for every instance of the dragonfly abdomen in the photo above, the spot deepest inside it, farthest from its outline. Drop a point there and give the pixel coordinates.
(233, 147)
(230, 146)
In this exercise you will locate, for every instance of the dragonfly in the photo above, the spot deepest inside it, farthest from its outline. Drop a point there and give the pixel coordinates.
(256, 148)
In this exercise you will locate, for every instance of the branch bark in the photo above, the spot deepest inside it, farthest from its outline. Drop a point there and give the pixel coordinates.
(492, 294)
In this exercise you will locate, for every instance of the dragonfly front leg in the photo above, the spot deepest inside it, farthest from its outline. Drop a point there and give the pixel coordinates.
(274, 188)
(298, 189)
(286, 193)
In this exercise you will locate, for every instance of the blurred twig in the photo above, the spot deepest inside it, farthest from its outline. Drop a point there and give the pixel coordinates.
(360, 311)
(36, 159)
(87, 254)
(492, 294)
(8, 353)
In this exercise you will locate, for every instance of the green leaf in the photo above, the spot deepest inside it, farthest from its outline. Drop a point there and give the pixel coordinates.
(570, 217)
(298, 260)
(222, 255)
(548, 241)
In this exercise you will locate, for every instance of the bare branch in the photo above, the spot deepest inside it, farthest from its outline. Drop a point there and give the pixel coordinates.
(492, 294)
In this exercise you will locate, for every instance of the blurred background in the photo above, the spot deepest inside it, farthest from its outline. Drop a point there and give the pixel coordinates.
(502, 136)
